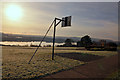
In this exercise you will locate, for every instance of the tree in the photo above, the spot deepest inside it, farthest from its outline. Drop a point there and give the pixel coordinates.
(79, 44)
(86, 41)
(68, 42)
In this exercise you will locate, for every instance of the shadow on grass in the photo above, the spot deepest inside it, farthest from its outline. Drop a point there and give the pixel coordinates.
(80, 56)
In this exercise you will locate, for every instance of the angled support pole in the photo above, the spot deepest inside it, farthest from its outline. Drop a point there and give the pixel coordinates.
(41, 42)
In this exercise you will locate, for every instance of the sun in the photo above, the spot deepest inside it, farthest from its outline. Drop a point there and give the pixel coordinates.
(13, 12)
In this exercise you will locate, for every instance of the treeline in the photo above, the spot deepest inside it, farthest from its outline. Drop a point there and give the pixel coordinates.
(91, 45)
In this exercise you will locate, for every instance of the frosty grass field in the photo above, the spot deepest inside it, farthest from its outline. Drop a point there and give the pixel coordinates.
(15, 61)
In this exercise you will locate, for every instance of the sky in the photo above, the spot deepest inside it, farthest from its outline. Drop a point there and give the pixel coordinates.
(96, 19)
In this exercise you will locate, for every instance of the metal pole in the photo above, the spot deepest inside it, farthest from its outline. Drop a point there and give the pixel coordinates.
(54, 39)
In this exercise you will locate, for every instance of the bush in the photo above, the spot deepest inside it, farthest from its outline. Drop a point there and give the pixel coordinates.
(97, 49)
(111, 49)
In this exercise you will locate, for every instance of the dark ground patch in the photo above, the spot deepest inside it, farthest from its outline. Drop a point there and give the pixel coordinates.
(80, 56)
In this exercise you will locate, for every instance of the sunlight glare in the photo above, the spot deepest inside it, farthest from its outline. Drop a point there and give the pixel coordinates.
(14, 12)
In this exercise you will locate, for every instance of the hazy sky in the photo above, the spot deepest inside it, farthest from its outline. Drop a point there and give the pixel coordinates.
(99, 20)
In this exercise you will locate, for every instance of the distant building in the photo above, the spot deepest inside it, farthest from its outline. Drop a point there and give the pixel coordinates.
(102, 43)
(111, 46)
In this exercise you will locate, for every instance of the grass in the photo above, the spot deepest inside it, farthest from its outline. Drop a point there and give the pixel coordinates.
(15, 61)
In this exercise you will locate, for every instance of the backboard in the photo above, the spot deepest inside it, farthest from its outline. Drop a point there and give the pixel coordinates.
(66, 21)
